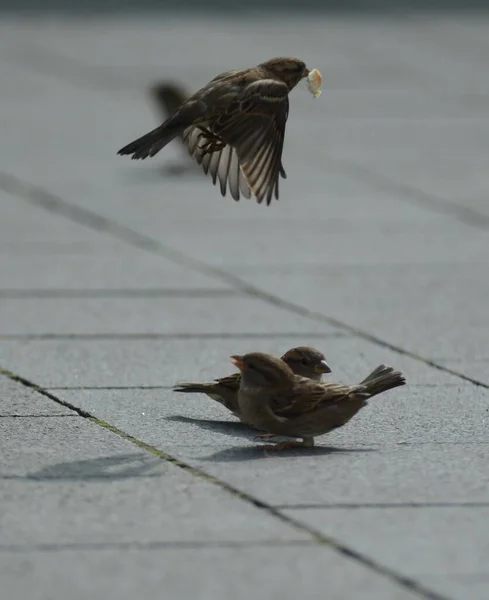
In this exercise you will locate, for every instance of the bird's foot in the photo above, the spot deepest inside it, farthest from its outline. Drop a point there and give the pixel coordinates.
(282, 446)
(214, 145)
(265, 436)
(211, 142)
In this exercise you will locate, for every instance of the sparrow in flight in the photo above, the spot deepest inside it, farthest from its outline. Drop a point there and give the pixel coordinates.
(234, 127)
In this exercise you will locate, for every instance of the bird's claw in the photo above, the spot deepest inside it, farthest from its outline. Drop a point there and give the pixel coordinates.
(282, 446)
(213, 146)
(211, 143)
(265, 436)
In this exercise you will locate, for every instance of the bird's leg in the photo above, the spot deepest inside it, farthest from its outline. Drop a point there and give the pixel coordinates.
(283, 446)
(265, 436)
(307, 442)
(212, 142)
(213, 145)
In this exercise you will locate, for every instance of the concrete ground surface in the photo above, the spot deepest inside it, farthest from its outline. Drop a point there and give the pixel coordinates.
(119, 279)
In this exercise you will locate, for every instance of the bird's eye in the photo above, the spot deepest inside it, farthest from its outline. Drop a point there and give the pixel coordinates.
(251, 366)
(304, 362)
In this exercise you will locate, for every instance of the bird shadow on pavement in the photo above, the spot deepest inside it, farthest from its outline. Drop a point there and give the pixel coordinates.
(259, 452)
(233, 428)
(107, 468)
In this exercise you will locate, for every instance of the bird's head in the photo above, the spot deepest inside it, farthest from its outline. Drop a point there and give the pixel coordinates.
(263, 371)
(306, 362)
(288, 70)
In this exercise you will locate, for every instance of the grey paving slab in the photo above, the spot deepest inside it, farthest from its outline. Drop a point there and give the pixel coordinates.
(473, 587)
(275, 573)
(460, 178)
(395, 474)
(410, 416)
(435, 541)
(418, 458)
(156, 362)
(444, 303)
(318, 247)
(148, 315)
(443, 547)
(18, 400)
(148, 197)
(474, 366)
(23, 223)
(90, 486)
(117, 266)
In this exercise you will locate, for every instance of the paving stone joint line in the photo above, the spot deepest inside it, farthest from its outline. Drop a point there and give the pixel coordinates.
(171, 545)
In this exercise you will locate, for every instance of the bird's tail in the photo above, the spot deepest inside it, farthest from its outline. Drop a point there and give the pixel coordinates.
(193, 388)
(383, 378)
(151, 143)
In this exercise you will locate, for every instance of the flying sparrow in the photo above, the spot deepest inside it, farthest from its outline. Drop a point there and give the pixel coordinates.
(234, 127)
(275, 400)
(303, 360)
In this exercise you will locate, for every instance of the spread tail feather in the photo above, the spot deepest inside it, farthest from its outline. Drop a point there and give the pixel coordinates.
(151, 143)
(381, 379)
(192, 388)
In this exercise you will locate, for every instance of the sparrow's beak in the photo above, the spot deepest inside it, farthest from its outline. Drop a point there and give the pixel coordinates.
(322, 367)
(238, 361)
(305, 72)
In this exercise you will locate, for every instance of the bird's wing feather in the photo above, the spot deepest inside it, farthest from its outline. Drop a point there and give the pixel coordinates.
(308, 396)
(254, 126)
(222, 165)
(230, 382)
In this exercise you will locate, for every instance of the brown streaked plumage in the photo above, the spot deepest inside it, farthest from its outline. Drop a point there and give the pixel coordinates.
(275, 400)
(303, 360)
(169, 97)
(234, 127)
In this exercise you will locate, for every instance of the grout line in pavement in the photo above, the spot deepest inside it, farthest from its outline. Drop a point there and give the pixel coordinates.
(170, 336)
(382, 505)
(415, 196)
(315, 535)
(117, 293)
(41, 416)
(52, 203)
(170, 545)
(110, 387)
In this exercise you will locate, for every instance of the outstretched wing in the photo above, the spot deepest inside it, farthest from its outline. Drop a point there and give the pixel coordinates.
(222, 164)
(254, 125)
(253, 128)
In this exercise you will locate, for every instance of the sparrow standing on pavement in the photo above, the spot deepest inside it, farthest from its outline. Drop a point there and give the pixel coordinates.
(234, 127)
(305, 408)
(303, 360)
